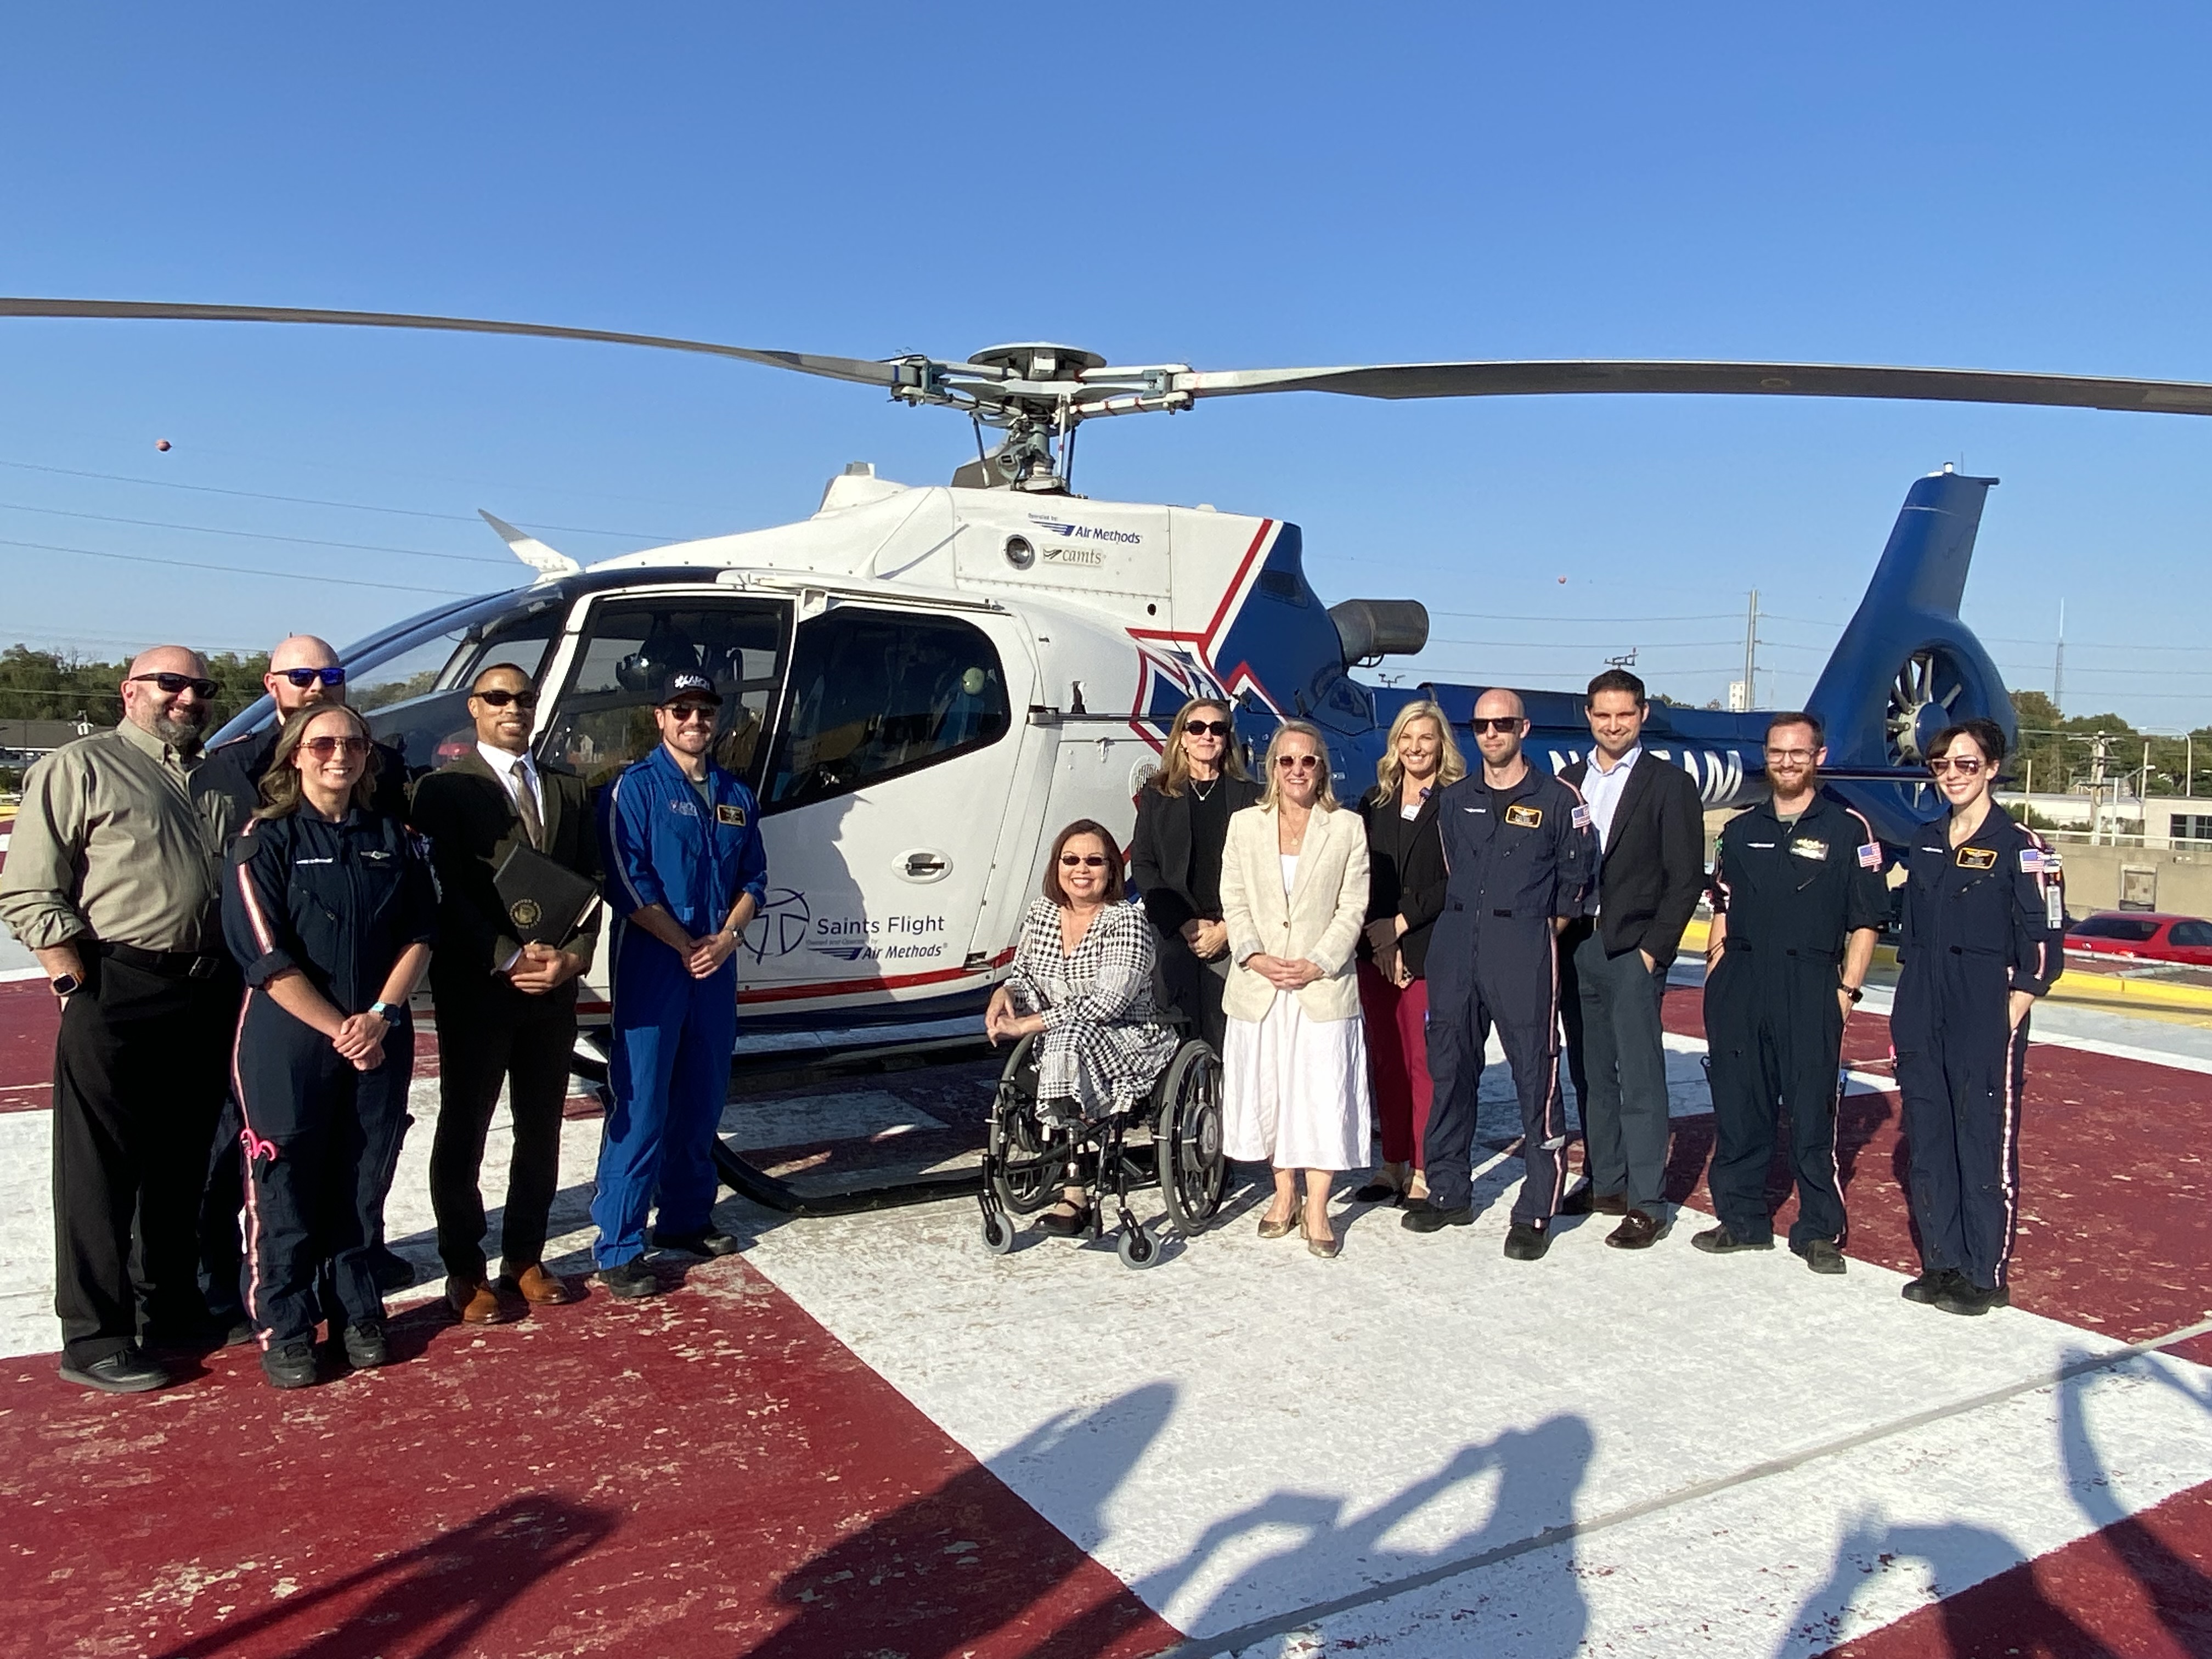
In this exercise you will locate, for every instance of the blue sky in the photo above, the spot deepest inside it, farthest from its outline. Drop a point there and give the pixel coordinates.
(2027, 187)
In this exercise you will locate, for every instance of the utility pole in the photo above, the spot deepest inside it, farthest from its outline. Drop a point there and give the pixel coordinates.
(2058, 664)
(1751, 653)
(2100, 748)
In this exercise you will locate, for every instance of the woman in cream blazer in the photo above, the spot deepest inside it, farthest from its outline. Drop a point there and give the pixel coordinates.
(1294, 1062)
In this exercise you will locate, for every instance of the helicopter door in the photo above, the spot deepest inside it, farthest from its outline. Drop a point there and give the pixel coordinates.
(889, 773)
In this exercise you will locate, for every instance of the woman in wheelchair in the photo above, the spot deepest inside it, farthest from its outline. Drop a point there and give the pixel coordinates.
(1082, 984)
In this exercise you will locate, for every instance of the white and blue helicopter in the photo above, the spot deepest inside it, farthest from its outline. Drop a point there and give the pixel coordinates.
(923, 682)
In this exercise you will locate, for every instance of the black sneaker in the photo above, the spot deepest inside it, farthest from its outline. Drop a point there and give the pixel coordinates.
(1527, 1241)
(1719, 1241)
(707, 1241)
(124, 1371)
(1821, 1255)
(1424, 1217)
(1963, 1295)
(290, 1364)
(1931, 1285)
(629, 1280)
(365, 1347)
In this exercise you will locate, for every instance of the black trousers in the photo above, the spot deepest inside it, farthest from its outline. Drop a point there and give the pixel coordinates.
(139, 1089)
(489, 1037)
(1194, 987)
(1962, 1084)
(1618, 1059)
(1776, 1036)
(321, 1142)
(222, 1259)
(1513, 983)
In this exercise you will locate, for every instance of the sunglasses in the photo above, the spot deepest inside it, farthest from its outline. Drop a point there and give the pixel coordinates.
(323, 748)
(1297, 762)
(1088, 861)
(1209, 728)
(1505, 724)
(304, 677)
(1966, 767)
(684, 714)
(177, 684)
(500, 698)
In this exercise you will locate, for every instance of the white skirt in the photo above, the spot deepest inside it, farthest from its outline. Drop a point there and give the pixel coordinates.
(1294, 1089)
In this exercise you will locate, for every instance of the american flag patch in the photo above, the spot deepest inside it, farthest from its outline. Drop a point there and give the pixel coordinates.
(1579, 816)
(2030, 861)
(1870, 856)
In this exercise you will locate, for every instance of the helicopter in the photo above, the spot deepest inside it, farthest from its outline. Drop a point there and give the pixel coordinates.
(921, 682)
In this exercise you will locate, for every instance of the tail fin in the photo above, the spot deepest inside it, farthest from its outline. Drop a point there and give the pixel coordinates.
(1906, 667)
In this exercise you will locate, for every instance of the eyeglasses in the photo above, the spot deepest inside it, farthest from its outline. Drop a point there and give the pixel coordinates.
(177, 684)
(499, 699)
(304, 677)
(1966, 767)
(323, 748)
(1209, 728)
(1507, 725)
(1789, 757)
(1297, 762)
(1088, 861)
(687, 713)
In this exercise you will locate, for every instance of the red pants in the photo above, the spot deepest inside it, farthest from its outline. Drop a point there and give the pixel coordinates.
(1398, 1052)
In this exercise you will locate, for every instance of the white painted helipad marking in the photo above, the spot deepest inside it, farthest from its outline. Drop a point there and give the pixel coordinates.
(1245, 1431)
(854, 1115)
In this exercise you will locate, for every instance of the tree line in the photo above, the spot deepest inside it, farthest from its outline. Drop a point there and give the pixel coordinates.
(2058, 751)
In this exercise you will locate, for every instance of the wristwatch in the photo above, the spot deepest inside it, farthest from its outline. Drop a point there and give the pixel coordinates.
(1856, 993)
(65, 984)
(386, 1011)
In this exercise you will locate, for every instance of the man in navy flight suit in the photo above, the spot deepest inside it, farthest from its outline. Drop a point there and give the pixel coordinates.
(685, 872)
(1798, 902)
(1520, 852)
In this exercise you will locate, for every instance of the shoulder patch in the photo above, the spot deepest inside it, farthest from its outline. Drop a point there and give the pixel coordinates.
(2031, 860)
(1524, 817)
(1579, 818)
(1870, 856)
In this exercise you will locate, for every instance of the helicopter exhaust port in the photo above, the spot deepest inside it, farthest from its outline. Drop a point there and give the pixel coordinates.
(1369, 630)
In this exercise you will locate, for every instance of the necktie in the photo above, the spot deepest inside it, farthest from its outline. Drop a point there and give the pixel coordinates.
(525, 807)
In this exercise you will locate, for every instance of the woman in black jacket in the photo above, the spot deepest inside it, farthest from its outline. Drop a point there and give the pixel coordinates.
(1406, 876)
(1174, 858)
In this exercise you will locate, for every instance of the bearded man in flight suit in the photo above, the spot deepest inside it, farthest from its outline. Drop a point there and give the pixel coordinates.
(506, 1011)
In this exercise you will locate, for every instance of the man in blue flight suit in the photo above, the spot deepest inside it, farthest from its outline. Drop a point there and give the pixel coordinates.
(1520, 852)
(685, 872)
(1798, 903)
(1984, 937)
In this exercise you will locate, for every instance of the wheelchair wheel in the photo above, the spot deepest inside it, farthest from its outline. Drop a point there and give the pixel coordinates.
(1192, 1172)
(1136, 1247)
(1016, 1137)
(998, 1234)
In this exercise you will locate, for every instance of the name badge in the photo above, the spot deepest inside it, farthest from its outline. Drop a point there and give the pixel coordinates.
(1977, 857)
(1524, 817)
(732, 815)
(1809, 849)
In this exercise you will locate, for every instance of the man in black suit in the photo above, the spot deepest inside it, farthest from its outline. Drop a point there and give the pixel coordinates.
(506, 1011)
(1650, 820)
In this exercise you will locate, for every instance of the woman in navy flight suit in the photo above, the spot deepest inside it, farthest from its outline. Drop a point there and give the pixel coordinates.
(329, 907)
(1984, 925)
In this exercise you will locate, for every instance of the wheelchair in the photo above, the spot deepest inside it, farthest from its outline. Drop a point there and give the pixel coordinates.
(1027, 1162)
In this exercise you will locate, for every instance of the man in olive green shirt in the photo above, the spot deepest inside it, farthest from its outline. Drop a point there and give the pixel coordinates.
(114, 881)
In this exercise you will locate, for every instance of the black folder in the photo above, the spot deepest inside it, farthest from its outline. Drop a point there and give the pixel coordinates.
(544, 901)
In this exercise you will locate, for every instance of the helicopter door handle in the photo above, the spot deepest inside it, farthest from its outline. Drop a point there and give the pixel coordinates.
(923, 865)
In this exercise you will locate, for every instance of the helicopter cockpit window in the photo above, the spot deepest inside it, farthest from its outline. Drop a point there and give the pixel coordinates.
(416, 699)
(874, 695)
(605, 721)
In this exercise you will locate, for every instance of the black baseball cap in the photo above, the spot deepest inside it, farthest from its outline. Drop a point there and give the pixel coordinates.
(687, 684)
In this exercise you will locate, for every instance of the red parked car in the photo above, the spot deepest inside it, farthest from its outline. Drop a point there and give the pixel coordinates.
(2146, 934)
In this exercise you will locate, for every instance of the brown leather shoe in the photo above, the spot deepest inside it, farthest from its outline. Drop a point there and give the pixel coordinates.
(476, 1302)
(539, 1288)
(1636, 1232)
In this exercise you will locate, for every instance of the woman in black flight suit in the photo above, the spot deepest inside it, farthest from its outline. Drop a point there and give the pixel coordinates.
(1985, 931)
(328, 908)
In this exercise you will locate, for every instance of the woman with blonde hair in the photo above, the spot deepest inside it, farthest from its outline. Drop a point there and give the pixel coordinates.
(1174, 856)
(1294, 1064)
(1406, 891)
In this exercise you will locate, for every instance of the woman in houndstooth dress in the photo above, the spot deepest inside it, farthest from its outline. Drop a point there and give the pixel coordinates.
(1082, 984)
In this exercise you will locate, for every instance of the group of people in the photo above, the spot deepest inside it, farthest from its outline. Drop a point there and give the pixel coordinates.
(233, 936)
(1349, 965)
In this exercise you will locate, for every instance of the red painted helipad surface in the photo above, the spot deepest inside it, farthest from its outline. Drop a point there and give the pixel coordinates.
(715, 1472)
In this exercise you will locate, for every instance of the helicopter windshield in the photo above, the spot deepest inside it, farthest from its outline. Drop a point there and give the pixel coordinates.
(413, 690)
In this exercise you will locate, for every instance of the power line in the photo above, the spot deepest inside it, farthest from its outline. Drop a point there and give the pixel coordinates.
(242, 570)
(250, 535)
(1499, 616)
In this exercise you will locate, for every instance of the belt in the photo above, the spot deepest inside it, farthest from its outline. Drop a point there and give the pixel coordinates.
(170, 964)
(1807, 952)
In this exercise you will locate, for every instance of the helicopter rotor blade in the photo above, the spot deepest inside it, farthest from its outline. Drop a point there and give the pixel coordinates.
(864, 371)
(1522, 379)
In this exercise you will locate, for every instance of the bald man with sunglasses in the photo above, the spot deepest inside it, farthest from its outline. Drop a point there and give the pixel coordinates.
(114, 880)
(303, 670)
